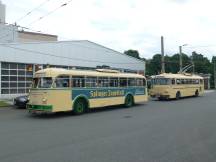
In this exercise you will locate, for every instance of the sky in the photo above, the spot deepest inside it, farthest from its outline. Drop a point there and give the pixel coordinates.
(125, 24)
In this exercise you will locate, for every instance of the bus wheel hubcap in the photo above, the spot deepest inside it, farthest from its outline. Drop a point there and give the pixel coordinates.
(129, 101)
(80, 107)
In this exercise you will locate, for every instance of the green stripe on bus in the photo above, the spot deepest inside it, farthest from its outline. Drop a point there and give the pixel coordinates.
(40, 107)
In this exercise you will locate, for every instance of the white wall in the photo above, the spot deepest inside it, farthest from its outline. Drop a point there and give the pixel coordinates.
(8, 33)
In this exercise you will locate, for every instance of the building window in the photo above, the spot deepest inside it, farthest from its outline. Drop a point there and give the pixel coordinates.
(15, 78)
(5, 65)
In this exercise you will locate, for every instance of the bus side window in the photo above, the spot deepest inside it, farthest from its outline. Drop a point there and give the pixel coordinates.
(78, 81)
(189, 81)
(62, 81)
(194, 81)
(91, 82)
(103, 82)
(140, 82)
(173, 81)
(123, 82)
(201, 81)
(114, 82)
(178, 81)
(144, 82)
(132, 82)
(182, 81)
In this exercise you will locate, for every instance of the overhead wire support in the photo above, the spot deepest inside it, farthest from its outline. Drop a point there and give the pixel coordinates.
(49, 13)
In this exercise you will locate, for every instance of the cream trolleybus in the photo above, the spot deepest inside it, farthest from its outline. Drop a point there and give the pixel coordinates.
(175, 86)
(55, 90)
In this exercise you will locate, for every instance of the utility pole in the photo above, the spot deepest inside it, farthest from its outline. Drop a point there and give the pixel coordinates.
(180, 59)
(192, 62)
(162, 55)
(214, 74)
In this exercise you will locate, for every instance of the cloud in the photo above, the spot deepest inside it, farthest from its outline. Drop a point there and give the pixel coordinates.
(127, 24)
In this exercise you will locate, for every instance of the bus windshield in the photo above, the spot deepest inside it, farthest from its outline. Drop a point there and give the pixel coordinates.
(45, 82)
(161, 81)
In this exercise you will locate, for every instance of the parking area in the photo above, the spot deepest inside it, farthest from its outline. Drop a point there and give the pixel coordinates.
(182, 130)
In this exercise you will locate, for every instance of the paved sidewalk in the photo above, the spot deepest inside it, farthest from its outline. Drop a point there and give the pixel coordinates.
(209, 91)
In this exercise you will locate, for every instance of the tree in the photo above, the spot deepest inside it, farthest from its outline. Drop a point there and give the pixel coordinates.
(133, 53)
(202, 64)
(212, 72)
(173, 63)
(153, 66)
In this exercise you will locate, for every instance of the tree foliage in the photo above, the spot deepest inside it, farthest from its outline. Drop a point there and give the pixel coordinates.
(153, 66)
(132, 53)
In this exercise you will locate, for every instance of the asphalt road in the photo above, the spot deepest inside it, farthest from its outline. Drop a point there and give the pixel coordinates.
(183, 130)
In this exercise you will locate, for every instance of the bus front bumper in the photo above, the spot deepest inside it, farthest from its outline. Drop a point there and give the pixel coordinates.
(164, 96)
(39, 108)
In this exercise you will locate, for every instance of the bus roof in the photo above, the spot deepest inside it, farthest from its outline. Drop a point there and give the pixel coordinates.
(181, 76)
(54, 72)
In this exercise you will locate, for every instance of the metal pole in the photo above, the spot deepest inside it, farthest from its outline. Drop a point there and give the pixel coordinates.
(192, 61)
(214, 74)
(180, 59)
(162, 56)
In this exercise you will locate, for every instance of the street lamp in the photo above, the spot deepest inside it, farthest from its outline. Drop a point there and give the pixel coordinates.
(180, 57)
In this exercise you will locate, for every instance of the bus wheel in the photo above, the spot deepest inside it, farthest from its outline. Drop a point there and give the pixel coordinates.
(196, 93)
(178, 95)
(160, 98)
(129, 101)
(79, 107)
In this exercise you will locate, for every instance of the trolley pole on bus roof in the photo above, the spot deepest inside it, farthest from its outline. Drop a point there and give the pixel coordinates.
(162, 55)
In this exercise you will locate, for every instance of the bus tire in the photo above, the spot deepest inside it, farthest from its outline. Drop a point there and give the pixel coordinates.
(178, 95)
(129, 100)
(196, 93)
(160, 98)
(80, 106)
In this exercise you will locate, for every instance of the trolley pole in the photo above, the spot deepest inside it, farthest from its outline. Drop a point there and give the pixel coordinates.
(162, 56)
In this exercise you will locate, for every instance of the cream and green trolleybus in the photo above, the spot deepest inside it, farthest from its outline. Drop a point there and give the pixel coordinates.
(56, 90)
(175, 86)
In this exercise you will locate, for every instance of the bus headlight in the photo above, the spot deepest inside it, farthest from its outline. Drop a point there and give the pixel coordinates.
(44, 100)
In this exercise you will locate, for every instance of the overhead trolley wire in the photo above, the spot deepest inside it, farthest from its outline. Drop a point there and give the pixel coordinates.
(34, 9)
(49, 13)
